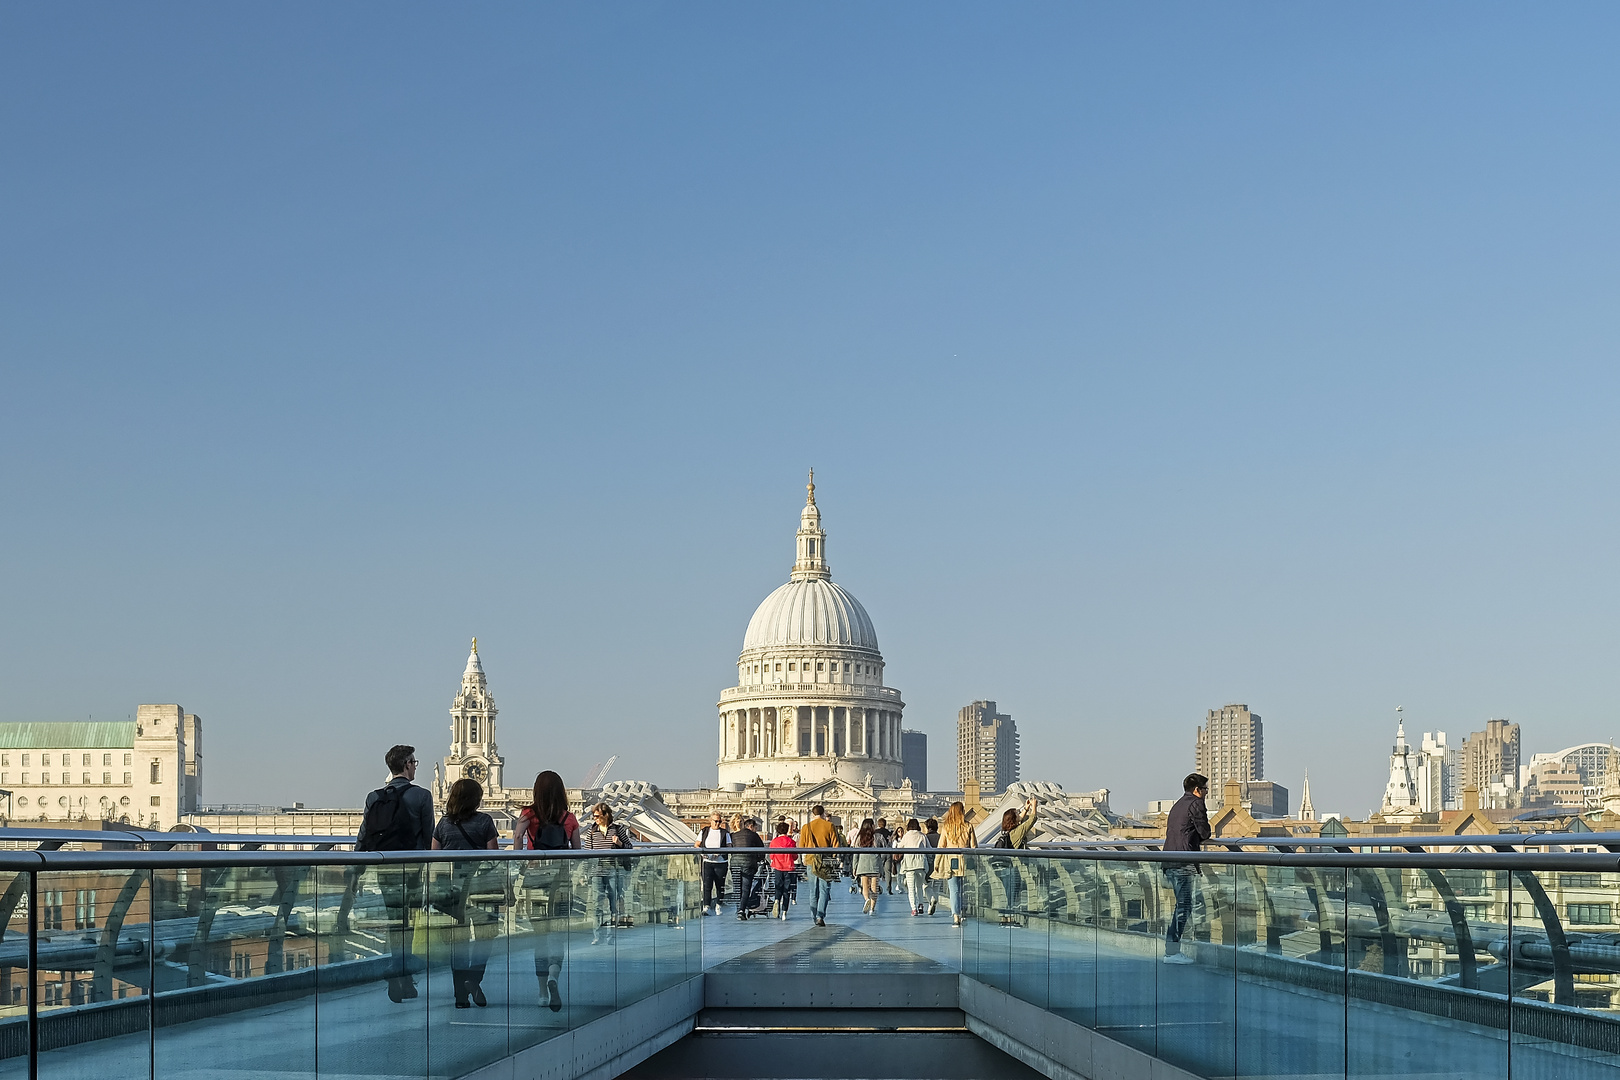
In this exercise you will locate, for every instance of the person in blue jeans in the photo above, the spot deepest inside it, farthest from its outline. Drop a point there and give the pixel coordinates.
(1186, 829)
(818, 832)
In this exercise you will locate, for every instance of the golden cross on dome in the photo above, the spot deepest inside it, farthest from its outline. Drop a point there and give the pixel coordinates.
(811, 487)
(475, 644)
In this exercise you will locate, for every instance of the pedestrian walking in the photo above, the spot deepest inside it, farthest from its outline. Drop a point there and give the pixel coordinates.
(398, 817)
(607, 873)
(931, 838)
(1186, 829)
(547, 824)
(746, 860)
(818, 832)
(715, 841)
(464, 828)
(884, 838)
(783, 871)
(798, 871)
(914, 861)
(869, 866)
(954, 832)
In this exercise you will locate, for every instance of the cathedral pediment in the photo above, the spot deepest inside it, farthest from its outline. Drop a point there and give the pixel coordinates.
(835, 791)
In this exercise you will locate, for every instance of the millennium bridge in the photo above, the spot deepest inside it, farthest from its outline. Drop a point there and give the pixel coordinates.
(129, 954)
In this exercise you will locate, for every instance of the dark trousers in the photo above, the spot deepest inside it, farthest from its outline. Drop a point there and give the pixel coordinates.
(746, 882)
(782, 883)
(401, 889)
(714, 882)
(1182, 879)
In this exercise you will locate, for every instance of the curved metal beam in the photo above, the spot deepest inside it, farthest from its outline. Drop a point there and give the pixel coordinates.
(1468, 966)
(1563, 969)
(107, 947)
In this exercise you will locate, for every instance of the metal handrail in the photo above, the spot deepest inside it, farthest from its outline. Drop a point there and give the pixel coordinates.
(1610, 840)
(46, 861)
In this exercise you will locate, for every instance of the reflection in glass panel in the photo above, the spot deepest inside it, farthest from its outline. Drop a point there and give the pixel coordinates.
(1427, 979)
(540, 973)
(1071, 886)
(372, 990)
(1132, 909)
(1195, 1000)
(464, 939)
(1290, 977)
(1566, 974)
(235, 962)
(94, 970)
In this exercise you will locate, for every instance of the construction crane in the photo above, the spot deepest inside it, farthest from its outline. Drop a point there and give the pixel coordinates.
(599, 775)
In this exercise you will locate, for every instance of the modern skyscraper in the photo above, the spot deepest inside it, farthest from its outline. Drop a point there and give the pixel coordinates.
(1436, 774)
(1490, 763)
(914, 758)
(986, 747)
(1231, 746)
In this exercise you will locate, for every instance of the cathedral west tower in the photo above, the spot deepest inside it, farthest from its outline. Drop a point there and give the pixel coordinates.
(473, 753)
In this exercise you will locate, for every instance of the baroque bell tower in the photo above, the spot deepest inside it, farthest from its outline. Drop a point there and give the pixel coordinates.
(473, 753)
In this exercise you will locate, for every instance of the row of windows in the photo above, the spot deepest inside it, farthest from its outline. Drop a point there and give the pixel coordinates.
(67, 778)
(67, 759)
(858, 669)
(1587, 914)
(62, 800)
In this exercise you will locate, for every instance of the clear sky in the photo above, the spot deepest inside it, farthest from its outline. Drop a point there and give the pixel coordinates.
(1150, 357)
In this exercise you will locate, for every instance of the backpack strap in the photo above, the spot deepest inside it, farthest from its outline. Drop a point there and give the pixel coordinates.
(464, 835)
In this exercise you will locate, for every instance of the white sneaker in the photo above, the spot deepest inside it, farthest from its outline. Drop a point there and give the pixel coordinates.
(1179, 958)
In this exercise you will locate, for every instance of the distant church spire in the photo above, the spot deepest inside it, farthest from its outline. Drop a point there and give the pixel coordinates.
(1400, 794)
(811, 564)
(1307, 812)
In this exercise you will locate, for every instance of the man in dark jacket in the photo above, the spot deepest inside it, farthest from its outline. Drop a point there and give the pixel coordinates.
(745, 866)
(1186, 829)
(404, 822)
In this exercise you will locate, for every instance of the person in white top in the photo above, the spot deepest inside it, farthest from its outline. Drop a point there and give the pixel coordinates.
(914, 865)
(714, 838)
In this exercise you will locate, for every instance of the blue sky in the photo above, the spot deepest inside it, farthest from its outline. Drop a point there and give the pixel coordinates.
(1149, 358)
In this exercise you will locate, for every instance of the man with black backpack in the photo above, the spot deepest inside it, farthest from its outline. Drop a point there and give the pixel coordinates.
(399, 817)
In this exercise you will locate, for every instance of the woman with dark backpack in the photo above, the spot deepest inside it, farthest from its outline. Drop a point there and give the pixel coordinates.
(1014, 834)
(606, 873)
(547, 825)
(463, 828)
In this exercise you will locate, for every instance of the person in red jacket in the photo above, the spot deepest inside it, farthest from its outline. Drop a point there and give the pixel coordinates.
(782, 870)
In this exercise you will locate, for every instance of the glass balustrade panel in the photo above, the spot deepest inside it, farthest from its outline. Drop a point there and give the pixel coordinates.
(14, 981)
(1195, 977)
(234, 970)
(463, 939)
(1131, 914)
(373, 991)
(1289, 955)
(1070, 894)
(95, 967)
(1426, 979)
(1565, 960)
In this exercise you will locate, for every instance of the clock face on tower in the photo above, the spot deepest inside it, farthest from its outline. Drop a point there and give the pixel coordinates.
(474, 770)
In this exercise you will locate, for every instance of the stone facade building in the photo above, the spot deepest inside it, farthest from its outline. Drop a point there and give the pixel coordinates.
(146, 773)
